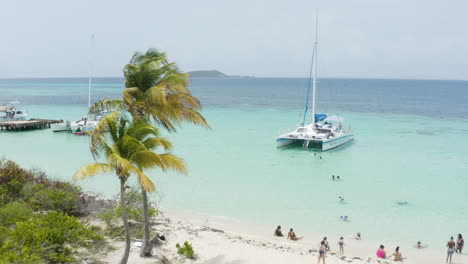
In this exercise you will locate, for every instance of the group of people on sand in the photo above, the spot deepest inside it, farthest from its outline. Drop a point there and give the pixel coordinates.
(453, 247)
(291, 234)
(324, 246)
(383, 255)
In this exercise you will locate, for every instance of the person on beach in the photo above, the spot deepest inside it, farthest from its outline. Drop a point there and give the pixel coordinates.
(322, 252)
(278, 232)
(292, 235)
(358, 236)
(460, 243)
(397, 255)
(450, 250)
(381, 252)
(341, 244)
(327, 246)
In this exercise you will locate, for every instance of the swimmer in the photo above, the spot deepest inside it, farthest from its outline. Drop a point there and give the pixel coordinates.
(341, 199)
(344, 218)
(419, 245)
(358, 236)
(320, 157)
(402, 203)
(333, 177)
(338, 177)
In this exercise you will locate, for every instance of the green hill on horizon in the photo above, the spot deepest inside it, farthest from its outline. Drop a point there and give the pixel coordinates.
(211, 73)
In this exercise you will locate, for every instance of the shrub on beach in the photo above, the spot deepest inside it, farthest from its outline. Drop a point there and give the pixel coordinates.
(186, 250)
(65, 199)
(14, 212)
(111, 216)
(12, 180)
(50, 237)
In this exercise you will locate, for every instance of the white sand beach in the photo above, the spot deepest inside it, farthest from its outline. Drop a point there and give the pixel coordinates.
(215, 245)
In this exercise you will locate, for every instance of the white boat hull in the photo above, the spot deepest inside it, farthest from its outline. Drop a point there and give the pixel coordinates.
(333, 143)
(323, 144)
(60, 127)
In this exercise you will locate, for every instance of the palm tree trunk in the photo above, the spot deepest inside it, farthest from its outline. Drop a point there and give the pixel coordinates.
(123, 204)
(146, 249)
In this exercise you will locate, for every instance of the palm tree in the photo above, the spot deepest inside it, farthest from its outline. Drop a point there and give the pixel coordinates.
(128, 149)
(155, 90)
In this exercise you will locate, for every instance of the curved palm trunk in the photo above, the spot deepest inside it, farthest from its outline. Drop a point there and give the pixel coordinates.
(147, 247)
(125, 221)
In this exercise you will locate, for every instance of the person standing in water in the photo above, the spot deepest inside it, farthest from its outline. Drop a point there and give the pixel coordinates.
(322, 252)
(460, 243)
(327, 246)
(341, 244)
(450, 250)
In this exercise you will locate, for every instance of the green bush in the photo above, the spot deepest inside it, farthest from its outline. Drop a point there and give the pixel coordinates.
(135, 205)
(14, 212)
(51, 236)
(12, 179)
(65, 199)
(186, 250)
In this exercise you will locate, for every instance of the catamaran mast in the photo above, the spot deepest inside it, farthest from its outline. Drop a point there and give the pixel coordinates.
(90, 73)
(315, 68)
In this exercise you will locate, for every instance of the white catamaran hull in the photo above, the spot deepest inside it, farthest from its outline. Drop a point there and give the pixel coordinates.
(319, 143)
(333, 143)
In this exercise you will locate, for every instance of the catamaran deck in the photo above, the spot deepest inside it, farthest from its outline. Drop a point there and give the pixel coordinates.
(18, 125)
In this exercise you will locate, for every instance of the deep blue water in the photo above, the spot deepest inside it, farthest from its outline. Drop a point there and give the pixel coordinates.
(445, 99)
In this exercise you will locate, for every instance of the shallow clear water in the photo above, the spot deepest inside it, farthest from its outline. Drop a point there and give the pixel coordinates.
(235, 170)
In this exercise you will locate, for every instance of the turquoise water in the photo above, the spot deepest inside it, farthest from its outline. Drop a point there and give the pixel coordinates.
(236, 171)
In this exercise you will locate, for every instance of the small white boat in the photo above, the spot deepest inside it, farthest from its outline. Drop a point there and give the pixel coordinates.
(12, 112)
(61, 127)
(321, 133)
(83, 125)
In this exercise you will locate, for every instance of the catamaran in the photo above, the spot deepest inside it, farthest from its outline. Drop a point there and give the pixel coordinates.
(322, 132)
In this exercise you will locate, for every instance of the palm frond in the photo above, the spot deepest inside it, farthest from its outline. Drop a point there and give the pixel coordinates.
(91, 170)
(107, 104)
(144, 182)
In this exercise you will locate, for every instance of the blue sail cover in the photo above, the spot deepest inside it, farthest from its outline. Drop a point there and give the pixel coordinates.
(320, 117)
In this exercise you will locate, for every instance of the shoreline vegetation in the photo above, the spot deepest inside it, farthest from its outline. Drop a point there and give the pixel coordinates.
(59, 223)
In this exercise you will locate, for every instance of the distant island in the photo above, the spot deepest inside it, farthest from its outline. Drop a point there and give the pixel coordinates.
(214, 73)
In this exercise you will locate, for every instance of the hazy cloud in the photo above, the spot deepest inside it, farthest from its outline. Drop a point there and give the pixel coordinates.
(396, 39)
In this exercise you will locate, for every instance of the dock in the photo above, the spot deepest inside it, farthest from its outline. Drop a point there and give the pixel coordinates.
(18, 125)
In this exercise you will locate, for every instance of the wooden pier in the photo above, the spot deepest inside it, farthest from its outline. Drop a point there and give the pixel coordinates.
(18, 125)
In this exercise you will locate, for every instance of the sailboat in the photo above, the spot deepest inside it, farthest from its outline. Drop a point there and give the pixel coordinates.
(88, 122)
(322, 132)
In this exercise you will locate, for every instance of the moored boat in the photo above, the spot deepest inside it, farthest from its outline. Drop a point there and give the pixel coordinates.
(322, 132)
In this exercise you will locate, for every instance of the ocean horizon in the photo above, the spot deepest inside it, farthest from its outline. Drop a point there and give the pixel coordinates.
(410, 146)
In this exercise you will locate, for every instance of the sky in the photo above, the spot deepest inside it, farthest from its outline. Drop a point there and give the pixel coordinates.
(265, 38)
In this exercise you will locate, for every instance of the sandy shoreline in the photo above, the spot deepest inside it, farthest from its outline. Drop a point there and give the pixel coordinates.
(214, 241)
